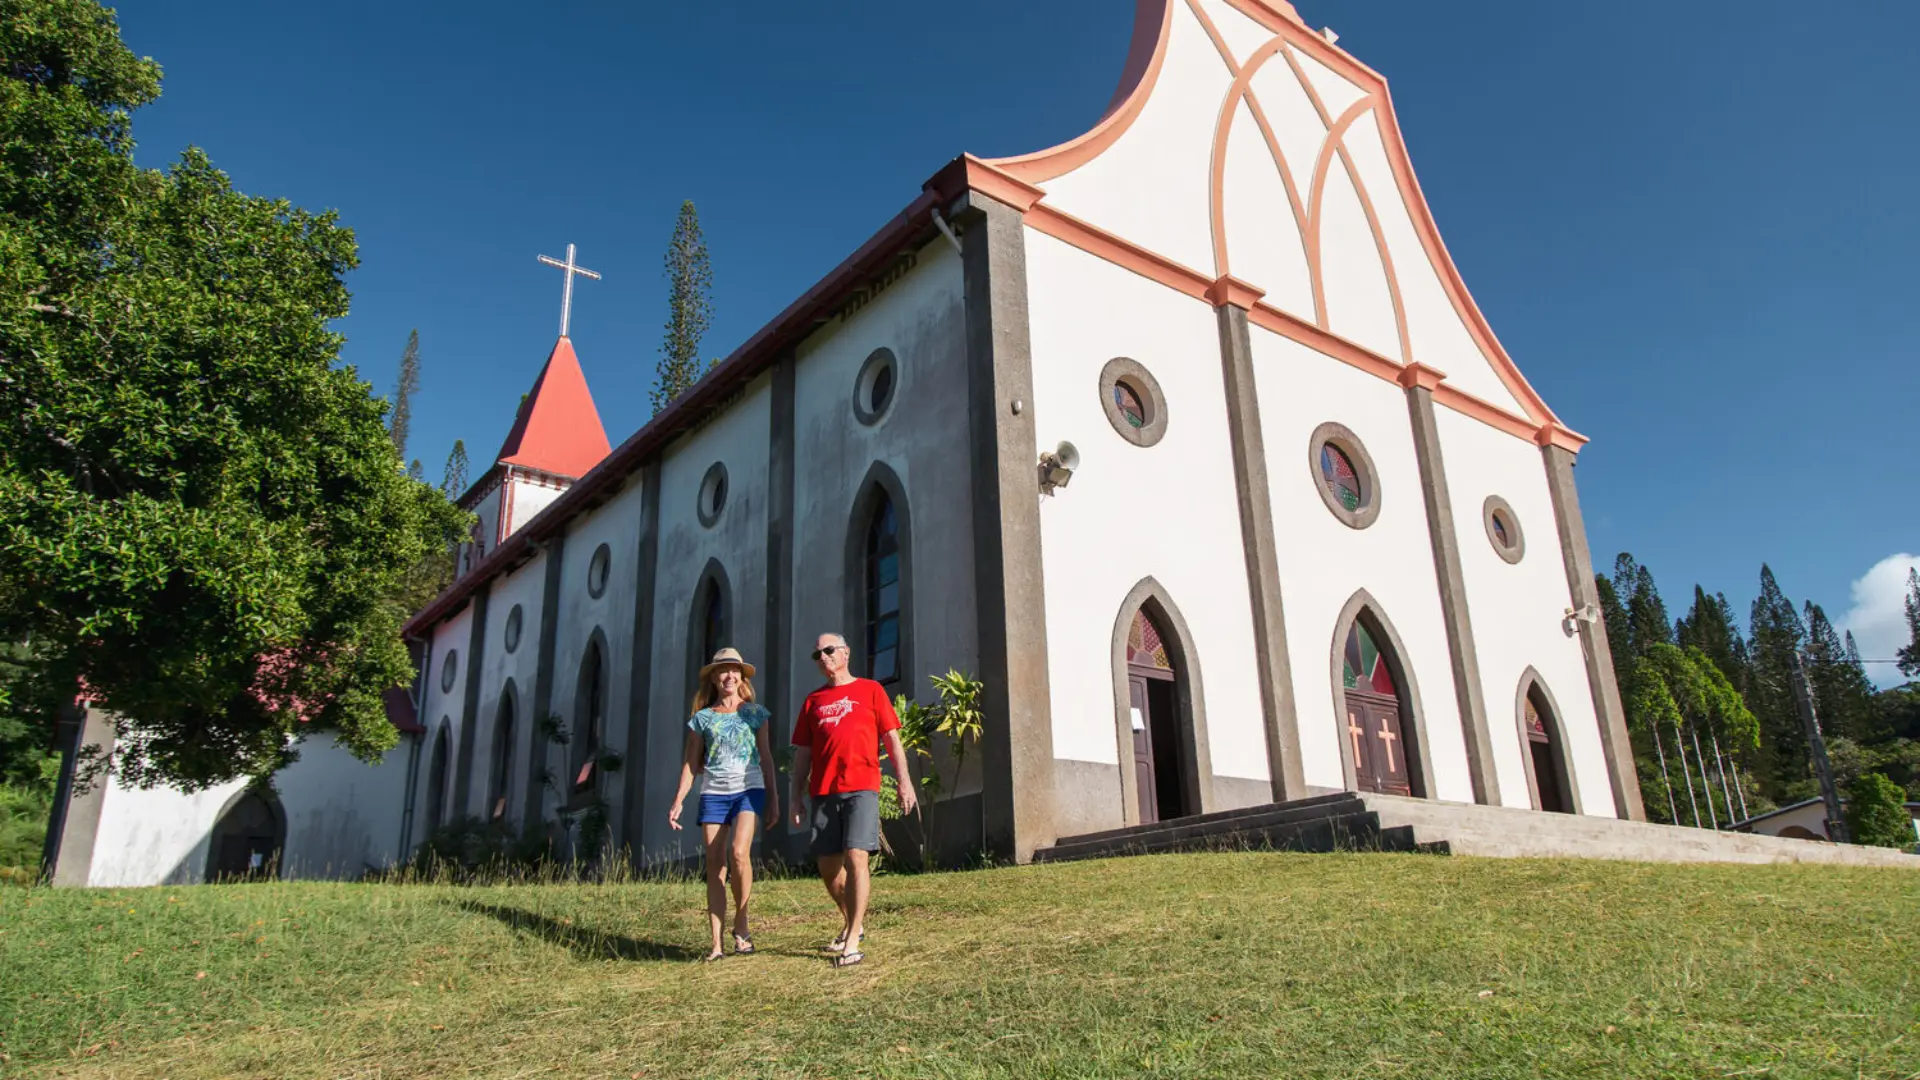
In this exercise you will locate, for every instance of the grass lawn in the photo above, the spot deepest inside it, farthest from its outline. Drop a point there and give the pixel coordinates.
(1242, 964)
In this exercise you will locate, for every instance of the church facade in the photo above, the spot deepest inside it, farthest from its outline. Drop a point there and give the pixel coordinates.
(1184, 436)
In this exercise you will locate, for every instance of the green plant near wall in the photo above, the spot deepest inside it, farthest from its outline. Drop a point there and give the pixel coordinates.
(959, 720)
(1876, 814)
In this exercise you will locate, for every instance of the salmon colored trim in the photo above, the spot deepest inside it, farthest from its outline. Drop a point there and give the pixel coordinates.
(1152, 25)
(1449, 274)
(1265, 11)
(1242, 90)
(1098, 242)
(1556, 435)
(1336, 130)
(1484, 411)
(1421, 376)
(1294, 328)
(1380, 246)
(985, 178)
(1232, 292)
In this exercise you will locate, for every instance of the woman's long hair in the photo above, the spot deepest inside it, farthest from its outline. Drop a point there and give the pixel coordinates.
(709, 691)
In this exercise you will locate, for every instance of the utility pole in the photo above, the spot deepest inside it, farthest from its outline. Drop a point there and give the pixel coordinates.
(1803, 697)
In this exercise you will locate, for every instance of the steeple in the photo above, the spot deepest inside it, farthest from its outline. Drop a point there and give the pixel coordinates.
(557, 430)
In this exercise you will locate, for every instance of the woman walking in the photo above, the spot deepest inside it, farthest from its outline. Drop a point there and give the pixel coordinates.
(726, 743)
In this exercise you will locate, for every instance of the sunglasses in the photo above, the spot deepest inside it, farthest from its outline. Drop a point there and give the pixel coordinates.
(827, 651)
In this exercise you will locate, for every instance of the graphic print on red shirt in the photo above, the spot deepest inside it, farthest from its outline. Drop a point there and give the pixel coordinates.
(842, 726)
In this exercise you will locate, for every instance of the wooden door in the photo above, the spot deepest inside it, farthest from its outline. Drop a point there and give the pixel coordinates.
(1378, 739)
(1142, 723)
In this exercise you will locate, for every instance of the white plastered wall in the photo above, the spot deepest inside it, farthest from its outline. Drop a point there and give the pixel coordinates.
(442, 706)
(524, 588)
(529, 498)
(1323, 563)
(1517, 608)
(156, 836)
(923, 437)
(737, 438)
(343, 814)
(1169, 511)
(578, 616)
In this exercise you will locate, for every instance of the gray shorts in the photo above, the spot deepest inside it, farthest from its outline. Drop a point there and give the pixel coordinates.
(849, 821)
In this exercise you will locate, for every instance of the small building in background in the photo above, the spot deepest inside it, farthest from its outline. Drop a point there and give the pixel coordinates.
(1805, 820)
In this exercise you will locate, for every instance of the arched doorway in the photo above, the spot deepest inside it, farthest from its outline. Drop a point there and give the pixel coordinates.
(247, 838)
(437, 781)
(1383, 746)
(1543, 749)
(1165, 763)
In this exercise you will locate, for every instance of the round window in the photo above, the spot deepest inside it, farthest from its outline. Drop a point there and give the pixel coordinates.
(1133, 402)
(1503, 529)
(511, 636)
(449, 670)
(874, 387)
(597, 568)
(713, 494)
(1343, 474)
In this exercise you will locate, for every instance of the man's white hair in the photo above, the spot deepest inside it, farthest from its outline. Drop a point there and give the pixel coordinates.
(839, 637)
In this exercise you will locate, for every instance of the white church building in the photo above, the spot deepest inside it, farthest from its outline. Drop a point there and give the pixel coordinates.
(1184, 436)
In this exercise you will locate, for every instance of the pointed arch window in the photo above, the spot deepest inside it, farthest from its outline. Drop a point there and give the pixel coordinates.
(500, 778)
(713, 620)
(590, 716)
(883, 592)
(437, 781)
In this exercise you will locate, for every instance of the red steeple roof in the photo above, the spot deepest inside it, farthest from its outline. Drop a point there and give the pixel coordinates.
(558, 429)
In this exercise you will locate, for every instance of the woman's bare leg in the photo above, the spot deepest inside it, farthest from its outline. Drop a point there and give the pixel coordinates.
(740, 865)
(716, 840)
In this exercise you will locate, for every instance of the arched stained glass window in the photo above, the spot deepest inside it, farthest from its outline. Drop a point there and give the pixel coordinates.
(591, 710)
(883, 593)
(501, 778)
(437, 781)
(1338, 473)
(1536, 726)
(1145, 646)
(1364, 667)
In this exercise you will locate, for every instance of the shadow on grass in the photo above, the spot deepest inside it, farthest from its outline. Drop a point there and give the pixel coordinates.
(584, 942)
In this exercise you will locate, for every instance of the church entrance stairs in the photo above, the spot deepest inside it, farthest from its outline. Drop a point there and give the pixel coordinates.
(1356, 821)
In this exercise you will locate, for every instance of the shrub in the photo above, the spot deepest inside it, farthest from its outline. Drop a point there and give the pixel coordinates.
(1875, 814)
(23, 826)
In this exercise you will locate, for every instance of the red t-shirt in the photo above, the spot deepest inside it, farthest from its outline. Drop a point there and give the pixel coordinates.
(842, 726)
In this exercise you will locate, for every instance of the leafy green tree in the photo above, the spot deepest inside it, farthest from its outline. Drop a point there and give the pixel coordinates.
(406, 384)
(202, 517)
(1875, 816)
(1909, 655)
(1681, 691)
(689, 309)
(453, 482)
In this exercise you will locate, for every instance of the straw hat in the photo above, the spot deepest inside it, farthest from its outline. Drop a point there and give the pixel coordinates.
(728, 657)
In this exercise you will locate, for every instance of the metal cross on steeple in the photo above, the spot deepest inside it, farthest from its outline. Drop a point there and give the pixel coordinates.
(566, 297)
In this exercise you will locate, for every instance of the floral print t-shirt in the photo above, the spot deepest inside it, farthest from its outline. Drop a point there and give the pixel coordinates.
(733, 748)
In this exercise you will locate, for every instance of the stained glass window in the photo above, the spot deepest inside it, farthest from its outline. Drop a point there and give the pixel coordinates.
(503, 755)
(592, 711)
(883, 593)
(1338, 473)
(1128, 402)
(882, 389)
(1364, 666)
(1145, 646)
(1500, 534)
(1536, 726)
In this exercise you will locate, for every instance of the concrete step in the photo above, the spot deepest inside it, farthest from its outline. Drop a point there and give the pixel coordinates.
(1249, 819)
(1217, 815)
(1321, 832)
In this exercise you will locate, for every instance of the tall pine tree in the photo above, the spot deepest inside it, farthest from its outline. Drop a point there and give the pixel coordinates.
(1842, 696)
(454, 483)
(1709, 627)
(689, 309)
(1774, 633)
(399, 422)
(1909, 655)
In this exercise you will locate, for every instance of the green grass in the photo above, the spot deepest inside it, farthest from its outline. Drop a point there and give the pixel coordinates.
(1240, 964)
(23, 828)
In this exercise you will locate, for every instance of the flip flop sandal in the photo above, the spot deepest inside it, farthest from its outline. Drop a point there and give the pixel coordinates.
(846, 960)
(742, 945)
(839, 944)
(712, 956)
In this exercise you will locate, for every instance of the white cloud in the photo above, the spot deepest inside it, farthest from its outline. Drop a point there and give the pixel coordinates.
(1878, 618)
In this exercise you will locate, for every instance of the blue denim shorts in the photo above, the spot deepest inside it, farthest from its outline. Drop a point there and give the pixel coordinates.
(722, 809)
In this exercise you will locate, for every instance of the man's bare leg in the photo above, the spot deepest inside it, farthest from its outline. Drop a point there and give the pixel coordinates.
(857, 888)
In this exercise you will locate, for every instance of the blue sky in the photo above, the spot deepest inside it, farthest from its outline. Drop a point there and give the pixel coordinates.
(1693, 225)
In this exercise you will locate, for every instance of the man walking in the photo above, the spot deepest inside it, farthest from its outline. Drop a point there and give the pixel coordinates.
(837, 748)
